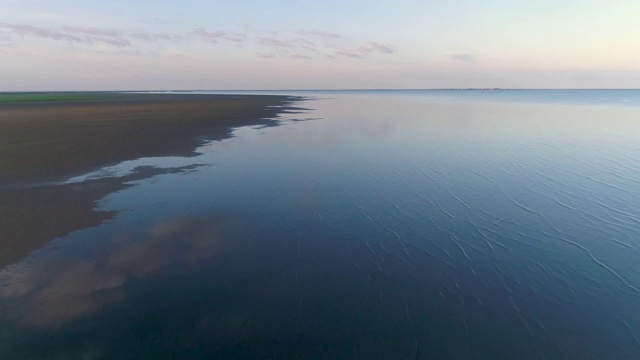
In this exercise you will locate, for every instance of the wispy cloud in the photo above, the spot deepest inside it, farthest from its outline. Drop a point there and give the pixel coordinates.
(156, 37)
(73, 34)
(329, 45)
(210, 36)
(326, 35)
(373, 46)
(86, 34)
(462, 58)
(91, 31)
(362, 51)
(236, 37)
(285, 43)
(302, 45)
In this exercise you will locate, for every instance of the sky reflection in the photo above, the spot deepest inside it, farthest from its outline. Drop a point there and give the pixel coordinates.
(62, 286)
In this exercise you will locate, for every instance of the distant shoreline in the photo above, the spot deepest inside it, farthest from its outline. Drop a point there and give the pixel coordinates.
(226, 91)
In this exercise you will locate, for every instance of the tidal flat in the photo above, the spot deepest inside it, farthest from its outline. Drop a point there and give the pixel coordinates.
(47, 138)
(366, 224)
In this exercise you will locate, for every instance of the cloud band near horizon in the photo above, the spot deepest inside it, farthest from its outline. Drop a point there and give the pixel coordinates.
(303, 44)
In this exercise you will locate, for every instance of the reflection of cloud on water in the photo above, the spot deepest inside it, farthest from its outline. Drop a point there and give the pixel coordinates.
(43, 300)
(55, 289)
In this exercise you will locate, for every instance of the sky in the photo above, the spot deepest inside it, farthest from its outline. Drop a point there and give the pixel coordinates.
(311, 44)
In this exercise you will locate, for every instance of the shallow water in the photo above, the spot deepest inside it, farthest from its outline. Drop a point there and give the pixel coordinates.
(497, 225)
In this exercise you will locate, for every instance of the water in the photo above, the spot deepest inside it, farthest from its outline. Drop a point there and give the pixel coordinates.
(484, 225)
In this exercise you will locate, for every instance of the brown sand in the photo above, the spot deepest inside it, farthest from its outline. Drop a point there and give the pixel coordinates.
(53, 141)
(42, 142)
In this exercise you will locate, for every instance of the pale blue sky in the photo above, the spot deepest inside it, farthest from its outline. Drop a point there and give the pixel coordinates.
(286, 44)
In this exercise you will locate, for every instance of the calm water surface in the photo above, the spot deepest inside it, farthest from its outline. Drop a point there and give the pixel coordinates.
(392, 225)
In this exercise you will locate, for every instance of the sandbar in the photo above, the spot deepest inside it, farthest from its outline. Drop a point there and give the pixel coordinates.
(47, 139)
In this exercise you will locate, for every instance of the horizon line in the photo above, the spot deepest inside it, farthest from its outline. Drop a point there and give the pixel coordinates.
(320, 89)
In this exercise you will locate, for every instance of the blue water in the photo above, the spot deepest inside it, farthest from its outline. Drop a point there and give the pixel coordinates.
(373, 225)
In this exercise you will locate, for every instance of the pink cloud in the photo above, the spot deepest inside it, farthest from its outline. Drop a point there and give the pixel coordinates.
(74, 34)
(303, 48)
(269, 41)
(382, 48)
(351, 53)
(236, 37)
(362, 51)
(285, 43)
(156, 37)
(88, 30)
(34, 31)
(326, 35)
(210, 36)
(306, 45)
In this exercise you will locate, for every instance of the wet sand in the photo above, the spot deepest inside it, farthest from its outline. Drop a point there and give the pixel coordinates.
(44, 142)
(56, 140)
